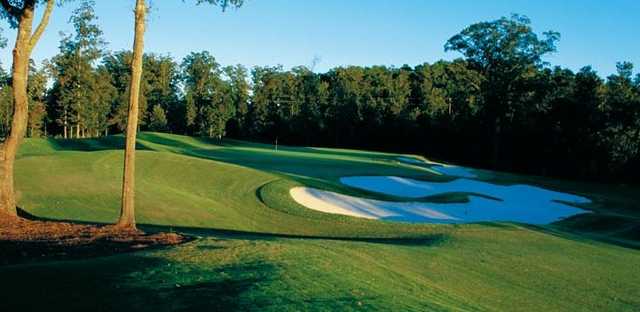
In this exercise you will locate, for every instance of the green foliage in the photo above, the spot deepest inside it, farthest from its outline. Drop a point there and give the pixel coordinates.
(6, 103)
(80, 94)
(37, 91)
(158, 119)
(118, 65)
(239, 89)
(3, 40)
(223, 4)
(11, 9)
(503, 43)
(507, 52)
(162, 75)
(622, 110)
(209, 99)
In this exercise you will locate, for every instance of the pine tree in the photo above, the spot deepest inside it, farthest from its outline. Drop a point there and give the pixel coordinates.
(158, 119)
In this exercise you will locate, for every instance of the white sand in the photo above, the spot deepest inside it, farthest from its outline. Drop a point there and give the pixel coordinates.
(518, 203)
(451, 170)
(405, 187)
(335, 203)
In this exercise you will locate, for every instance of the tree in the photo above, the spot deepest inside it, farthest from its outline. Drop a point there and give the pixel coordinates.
(20, 15)
(621, 107)
(101, 97)
(127, 215)
(347, 85)
(37, 89)
(506, 52)
(6, 104)
(312, 98)
(118, 66)
(203, 88)
(77, 83)
(237, 77)
(158, 119)
(161, 77)
(210, 100)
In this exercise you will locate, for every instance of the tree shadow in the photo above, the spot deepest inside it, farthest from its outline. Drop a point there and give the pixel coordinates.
(167, 140)
(315, 150)
(67, 240)
(304, 163)
(114, 142)
(400, 239)
(616, 230)
(133, 282)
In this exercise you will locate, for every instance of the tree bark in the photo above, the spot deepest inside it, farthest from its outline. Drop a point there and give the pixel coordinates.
(25, 42)
(78, 126)
(65, 124)
(127, 215)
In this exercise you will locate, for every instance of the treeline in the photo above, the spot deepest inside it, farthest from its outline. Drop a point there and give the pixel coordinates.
(499, 107)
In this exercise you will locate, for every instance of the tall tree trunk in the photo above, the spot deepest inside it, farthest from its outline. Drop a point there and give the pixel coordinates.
(25, 42)
(65, 124)
(78, 126)
(127, 215)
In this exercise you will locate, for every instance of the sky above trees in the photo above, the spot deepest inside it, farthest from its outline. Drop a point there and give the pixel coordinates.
(356, 32)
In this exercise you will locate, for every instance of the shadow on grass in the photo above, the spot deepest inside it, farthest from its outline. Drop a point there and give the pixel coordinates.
(589, 227)
(135, 282)
(169, 141)
(334, 151)
(417, 240)
(627, 236)
(115, 142)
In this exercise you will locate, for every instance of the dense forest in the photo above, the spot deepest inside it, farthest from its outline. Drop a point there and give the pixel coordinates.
(499, 106)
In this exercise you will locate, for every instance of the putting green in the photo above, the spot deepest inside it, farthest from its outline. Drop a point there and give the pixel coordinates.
(260, 250)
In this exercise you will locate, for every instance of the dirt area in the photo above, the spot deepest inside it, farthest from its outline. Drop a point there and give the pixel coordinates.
(23, 240)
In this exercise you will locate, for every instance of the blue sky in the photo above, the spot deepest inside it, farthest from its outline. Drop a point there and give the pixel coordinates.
(356, 32)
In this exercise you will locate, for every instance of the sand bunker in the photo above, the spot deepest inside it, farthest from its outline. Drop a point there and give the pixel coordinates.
(517, 194)
(331, 202)
(445, 169)
(518, 203)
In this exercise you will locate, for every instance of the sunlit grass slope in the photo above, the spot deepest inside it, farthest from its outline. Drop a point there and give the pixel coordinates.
(259, 250)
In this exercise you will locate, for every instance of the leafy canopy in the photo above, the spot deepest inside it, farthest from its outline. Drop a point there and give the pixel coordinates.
(506, 42)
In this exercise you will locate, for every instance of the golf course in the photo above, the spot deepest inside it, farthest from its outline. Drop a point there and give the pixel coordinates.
(241, 155)
(254, 247)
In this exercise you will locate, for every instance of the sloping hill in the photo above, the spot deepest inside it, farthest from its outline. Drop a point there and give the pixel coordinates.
(260, 250)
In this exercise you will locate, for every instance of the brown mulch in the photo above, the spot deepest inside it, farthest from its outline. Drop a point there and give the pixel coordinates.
(23, 240)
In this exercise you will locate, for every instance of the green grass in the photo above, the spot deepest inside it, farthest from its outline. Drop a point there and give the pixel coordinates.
(259, 250)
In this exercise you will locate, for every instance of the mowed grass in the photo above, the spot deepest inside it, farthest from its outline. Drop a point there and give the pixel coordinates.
(259, 250)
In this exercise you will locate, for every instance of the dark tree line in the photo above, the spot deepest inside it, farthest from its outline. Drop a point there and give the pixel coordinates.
(500, 106)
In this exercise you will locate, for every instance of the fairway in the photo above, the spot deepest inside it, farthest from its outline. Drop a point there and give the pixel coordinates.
(258, 249)
(241, 155)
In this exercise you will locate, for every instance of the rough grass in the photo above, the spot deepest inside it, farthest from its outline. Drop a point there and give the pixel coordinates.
(259, 250)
